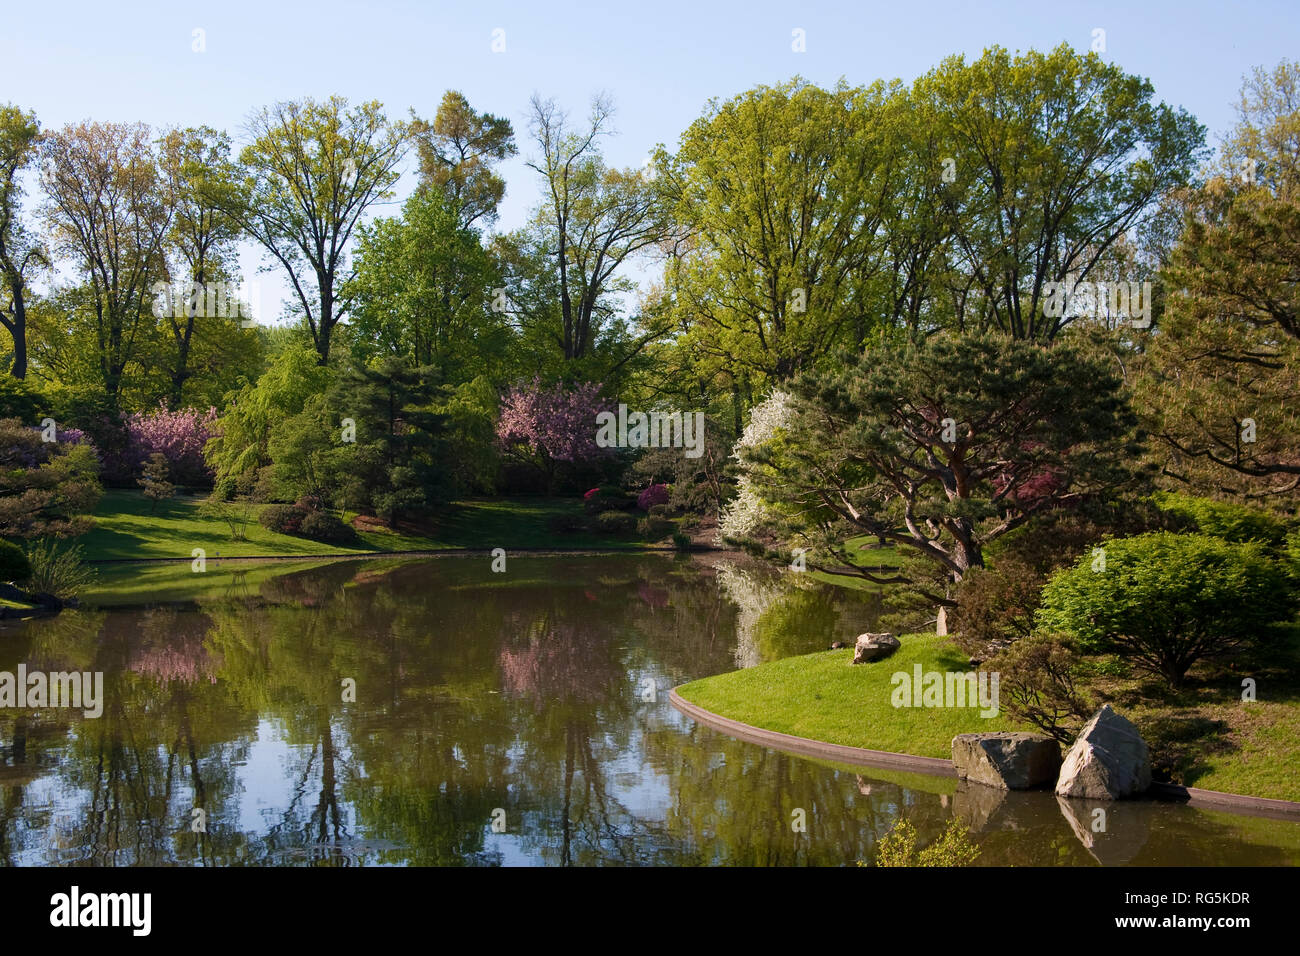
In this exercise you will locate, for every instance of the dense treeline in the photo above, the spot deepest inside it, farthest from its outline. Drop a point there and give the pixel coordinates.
(850, 245)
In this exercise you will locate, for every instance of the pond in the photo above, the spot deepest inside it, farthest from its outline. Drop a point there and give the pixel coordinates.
(432, 712)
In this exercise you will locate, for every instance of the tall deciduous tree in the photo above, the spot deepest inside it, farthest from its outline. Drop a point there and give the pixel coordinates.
(593, 219)
(20, 255)
(781, 193)
(302, 185)
(108, 209)
(423, 290)
(1053, 157)
(458, 152)
(201, 241)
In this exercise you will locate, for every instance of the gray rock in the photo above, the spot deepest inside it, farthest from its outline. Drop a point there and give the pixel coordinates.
(1108, 760)
(1012, 761)
(874, 647)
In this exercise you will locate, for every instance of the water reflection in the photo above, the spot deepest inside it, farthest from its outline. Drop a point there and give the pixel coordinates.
(535, 699)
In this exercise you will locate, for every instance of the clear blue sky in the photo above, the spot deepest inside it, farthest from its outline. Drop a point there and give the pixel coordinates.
(660, 61)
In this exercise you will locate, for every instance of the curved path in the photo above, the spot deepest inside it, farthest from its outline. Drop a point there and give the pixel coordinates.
(937, 766)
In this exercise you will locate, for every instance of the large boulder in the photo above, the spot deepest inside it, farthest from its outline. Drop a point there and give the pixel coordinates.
(1012, 761)
(1108, 760)
(874, 647)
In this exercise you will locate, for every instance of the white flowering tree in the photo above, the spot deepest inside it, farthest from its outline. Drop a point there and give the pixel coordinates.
(747, 512)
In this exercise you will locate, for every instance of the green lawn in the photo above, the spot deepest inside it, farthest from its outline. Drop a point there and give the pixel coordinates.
(823, 697)
(1202, 737)
(126, 529)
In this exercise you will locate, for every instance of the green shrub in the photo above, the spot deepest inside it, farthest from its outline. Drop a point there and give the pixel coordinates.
(323, 526)
(1165, 601)
(616, 523)
(681, 541)
(654, 529)
(609, 498)
(21, 399)
(14, 565)
(1220, 519)
(953, 848)
(285, 519)
(1038, 684)
(58, 571)
(995, 606)
(566, 524)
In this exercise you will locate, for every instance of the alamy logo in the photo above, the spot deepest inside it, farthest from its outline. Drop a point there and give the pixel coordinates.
(1118, 302)
(946, 689)
(651, 430)
(55, 689)
(210, 300)
(103, 909)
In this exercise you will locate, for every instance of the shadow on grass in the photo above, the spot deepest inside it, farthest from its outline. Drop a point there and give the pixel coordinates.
(1180, 746)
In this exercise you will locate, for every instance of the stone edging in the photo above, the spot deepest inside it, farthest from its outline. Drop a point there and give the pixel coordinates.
(937, 766)
(807, 747)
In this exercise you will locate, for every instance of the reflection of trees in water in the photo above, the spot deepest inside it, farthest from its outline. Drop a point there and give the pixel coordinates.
(733, 803)
(779, 615)
(128, 779)
(170, 648)
(473, 693)
(752, 596)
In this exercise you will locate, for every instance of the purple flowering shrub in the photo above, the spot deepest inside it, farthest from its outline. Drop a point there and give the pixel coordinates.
(179, 436)
(656, 494)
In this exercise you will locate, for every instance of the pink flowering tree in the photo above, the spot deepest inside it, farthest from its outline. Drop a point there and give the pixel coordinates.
(548, 425)
(179, 436)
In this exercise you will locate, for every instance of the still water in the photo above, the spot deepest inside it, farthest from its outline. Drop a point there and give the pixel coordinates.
(430, 712)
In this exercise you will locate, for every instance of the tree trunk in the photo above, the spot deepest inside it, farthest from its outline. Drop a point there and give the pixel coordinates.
(18, 329)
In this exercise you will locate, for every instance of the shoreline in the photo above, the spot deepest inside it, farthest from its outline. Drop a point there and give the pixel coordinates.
(425, 553)
(939, 767)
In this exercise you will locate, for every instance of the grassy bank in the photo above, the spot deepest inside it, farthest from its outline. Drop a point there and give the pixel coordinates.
(1204, 736)
(822, 697)
(125, 528)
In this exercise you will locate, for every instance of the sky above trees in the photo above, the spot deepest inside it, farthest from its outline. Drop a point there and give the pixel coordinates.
(659, 63)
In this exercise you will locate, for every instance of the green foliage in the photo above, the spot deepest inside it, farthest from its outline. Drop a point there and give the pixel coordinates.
(996, 604)
(1222, 519)
(399, 462)
(243, 432)
(944, 446)
(699, 485)
(46, 488)
(469, 419)
(154, 480)
(618, 523)
(23, 400)
(775, 271)
(13, 563)
(953, 848)
(1219, 381)
(1165, 600)
(323, 526)
(284, 519)
(458, 152)
(302, 184)
(58, 571)
(233, 503)
(654, 528)
(423, 292)
(1039, 685)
